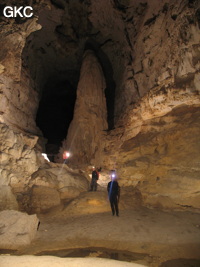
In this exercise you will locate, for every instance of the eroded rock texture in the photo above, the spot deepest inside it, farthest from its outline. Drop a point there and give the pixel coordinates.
(17, 229)
(27, 182)
(52, 185)
(162, 160)
(18, 99)
(87, 130)
(19, 159)
(155, 144)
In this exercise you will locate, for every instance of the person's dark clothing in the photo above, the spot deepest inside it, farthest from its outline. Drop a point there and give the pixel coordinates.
(95, 177)
(113, 194)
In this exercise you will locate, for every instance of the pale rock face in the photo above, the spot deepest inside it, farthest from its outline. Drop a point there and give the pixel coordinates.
(51, 185)
(17, 229)
(18, 99)
(21, 181)
(86, 132)
(18, 160)
(157, 100)
(162, 159)
(149, 43)
(43, 198)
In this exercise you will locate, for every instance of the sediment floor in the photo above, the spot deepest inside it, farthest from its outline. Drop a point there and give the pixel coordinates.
(140, 235)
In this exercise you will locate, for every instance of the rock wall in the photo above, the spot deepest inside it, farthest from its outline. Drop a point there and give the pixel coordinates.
(20, 147)
(162, 159)
(19, 158)
(87, 130)
(18, 99)
(157, 140)
(155, 58)
(52, 185)
(27, 181)
(148, 44)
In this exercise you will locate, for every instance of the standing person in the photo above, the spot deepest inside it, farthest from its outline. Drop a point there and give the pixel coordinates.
(95, 177)
(113, 194)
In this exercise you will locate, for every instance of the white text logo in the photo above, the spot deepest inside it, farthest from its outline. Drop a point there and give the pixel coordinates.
(13, 12)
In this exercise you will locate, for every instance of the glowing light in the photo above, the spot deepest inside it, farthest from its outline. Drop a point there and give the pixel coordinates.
(66, 155)
(45, 156)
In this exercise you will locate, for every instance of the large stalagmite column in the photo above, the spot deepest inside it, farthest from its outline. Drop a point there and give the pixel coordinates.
(85, 137)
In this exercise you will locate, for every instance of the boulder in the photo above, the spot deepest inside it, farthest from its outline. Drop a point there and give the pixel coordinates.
(61, 180)
(17, 229)
(43, 198)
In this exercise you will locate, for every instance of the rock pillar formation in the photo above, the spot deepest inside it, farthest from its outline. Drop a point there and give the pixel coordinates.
(87, 130)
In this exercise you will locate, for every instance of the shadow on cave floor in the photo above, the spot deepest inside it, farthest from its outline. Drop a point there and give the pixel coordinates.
(181, 263)
(127, 256)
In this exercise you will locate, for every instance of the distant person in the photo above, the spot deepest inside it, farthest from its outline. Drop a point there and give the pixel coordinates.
(95, 177)
(113, 194)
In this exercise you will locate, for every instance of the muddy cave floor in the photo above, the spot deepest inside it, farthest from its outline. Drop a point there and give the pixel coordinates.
(145, 236)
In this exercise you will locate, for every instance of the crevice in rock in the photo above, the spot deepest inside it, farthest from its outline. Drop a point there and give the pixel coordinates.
(59, 3)
(151, 20)
(128, 38)
(120, 6)
(136, 87)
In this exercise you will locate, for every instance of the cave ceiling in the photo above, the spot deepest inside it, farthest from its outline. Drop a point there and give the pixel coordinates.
(127, 37)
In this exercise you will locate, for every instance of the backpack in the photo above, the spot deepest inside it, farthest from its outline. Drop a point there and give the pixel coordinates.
(95, 175)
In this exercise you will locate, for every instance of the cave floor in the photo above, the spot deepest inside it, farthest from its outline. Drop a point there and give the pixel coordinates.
(146, 236)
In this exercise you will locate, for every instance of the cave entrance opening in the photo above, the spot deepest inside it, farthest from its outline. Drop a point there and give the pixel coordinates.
(55, 113)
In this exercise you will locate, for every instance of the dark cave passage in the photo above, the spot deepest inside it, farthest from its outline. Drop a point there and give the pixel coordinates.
(58, 98)
(55, 112)
(55, 75)
(57, 103)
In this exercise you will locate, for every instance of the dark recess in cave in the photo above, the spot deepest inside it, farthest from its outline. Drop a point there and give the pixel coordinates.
(55, 112)
(57, 103)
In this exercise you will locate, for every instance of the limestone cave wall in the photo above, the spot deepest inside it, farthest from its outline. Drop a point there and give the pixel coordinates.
(18, 99)
(155, 144)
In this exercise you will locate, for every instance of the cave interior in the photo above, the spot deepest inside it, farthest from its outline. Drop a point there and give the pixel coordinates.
(118, 83)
